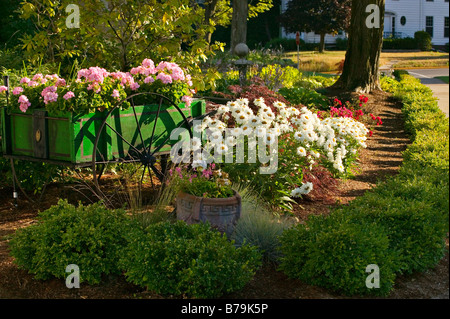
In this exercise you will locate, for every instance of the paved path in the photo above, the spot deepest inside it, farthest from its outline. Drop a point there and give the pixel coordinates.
(440, 89)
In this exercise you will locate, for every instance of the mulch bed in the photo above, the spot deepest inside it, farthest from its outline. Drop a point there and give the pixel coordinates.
(379, 161)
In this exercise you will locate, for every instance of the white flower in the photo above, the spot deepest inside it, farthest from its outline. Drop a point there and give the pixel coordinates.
(270, 138)
(259, 101)
(275, 130)
(306, 188)
(237, 131)
(196, 143)
(223, 109)
(299, 136)
(200, 163)
(242, 118)
(279, 105)
(221, 149)
(215, 136)
(254, 121)
(246, 129)
(301, 151)
(260, 131)
(242, 101)
(296, 193)
(230, 141)
(286, 128)
(198, 128)
(315, 154)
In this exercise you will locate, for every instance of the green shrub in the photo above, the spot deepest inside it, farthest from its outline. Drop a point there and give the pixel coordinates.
(415, 228)
(426, 120)
(341, 44)
(89, 236)
(194, 261)
(430, 148)
(315, 82)
(399, 73)
(423, 40)
(400, 44)
(307, 97)
(333, 253)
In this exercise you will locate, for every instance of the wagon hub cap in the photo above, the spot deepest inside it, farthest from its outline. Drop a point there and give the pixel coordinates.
(149, 160)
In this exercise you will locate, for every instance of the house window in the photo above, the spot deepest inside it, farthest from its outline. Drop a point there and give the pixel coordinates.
(429, 22)
(446, 27)
(403, 20)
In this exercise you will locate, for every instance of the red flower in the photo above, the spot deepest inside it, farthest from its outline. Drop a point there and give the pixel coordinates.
(370, 133)
(363, 99)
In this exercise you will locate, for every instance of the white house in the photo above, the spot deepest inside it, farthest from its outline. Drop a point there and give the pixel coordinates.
(402, 19)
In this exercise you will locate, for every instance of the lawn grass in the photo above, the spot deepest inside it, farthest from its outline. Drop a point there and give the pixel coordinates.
(328, 61)
(442, 78)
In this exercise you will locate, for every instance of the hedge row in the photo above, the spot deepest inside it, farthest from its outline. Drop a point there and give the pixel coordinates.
(166, 258)
(400, 225)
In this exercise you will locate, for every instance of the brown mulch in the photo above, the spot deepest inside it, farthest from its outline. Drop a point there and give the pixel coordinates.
(379, 161)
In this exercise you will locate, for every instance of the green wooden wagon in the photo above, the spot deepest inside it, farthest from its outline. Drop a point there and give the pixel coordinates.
(138, 134)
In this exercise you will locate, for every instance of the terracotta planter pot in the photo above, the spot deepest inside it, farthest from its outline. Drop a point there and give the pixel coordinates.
(221, 213)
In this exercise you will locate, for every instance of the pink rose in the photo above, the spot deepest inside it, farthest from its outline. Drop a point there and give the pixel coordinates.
(3, 89)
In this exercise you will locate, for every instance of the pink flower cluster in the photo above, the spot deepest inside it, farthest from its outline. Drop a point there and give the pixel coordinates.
(49, 94)
(68, 95)
(24, 103)
(146, 68)
(17, 90)
(126, 79)
(94, 74)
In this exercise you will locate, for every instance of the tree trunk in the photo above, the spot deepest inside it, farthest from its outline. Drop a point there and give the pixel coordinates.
(239, 23)
(322, 43)
(361, 67)
(210, 9)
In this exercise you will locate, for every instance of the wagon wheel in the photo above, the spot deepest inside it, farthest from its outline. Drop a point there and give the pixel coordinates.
(137, 149)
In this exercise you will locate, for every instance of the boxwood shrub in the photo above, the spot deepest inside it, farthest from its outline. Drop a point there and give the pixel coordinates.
(187, 260)
(89, 236)
(334, 253)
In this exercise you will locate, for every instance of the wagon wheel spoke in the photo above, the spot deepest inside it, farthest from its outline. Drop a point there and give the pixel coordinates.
(138, 126)
(123, 139)
(154, 124)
